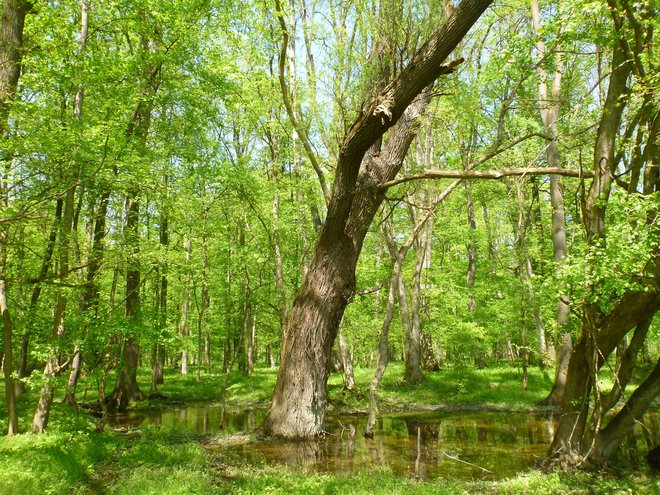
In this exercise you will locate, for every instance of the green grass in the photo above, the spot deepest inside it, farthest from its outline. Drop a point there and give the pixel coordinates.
(494, 388)
(276, 480)
(74, 458)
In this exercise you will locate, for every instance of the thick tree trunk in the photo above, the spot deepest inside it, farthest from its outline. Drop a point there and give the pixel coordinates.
(299, 398)
(126, 389)
(610, 438)
(563, 354)
(11, 53)
(595, 337)
(599, 340)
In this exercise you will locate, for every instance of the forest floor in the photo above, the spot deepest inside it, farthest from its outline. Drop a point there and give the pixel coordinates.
(73, 457)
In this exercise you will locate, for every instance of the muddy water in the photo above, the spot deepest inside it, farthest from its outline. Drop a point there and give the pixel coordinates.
(431, 445)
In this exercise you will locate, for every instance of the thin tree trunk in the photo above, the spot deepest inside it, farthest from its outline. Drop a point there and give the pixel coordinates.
(40, 420)
(382, 356)
(250, 329)
(270, 358)
(158, 351)
(76, 364)
(76, 359)
(185, 308)
(7, 365)
(201, 312)
(36, 293)
(549, 109)
(471, 249)
(347, 363)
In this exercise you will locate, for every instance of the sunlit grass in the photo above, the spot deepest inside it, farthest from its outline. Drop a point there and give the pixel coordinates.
(73, 458)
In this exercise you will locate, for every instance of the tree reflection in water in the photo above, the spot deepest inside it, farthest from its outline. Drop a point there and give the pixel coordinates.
(429, 446)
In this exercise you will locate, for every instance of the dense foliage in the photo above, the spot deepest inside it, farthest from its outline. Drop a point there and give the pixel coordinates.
(166, 168)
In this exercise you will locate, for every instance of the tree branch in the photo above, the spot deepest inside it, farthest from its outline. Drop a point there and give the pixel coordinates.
(290, 108)
(486, 174)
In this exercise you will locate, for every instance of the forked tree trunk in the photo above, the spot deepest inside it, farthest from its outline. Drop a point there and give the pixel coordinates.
(298, 406)
(567, 442)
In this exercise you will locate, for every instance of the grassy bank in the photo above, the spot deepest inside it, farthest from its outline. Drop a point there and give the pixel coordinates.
(72, 457)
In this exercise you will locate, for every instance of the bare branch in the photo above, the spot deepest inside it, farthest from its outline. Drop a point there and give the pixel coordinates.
(486, 174)
(290, 105)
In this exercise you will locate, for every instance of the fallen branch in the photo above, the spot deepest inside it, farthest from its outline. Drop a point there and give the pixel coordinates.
(466, 462)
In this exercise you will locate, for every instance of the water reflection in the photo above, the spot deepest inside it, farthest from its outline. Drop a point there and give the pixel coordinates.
(429, 446)
(199, 418)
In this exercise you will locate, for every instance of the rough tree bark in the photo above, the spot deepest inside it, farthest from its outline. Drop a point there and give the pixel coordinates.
(126, 388)
(299, 398)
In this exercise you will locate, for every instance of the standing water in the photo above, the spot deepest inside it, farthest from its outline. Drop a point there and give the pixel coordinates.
(466, 445)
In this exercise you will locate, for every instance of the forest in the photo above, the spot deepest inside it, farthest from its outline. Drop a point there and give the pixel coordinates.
(372, 246)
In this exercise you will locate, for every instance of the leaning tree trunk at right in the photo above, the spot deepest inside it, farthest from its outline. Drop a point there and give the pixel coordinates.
(579, 439)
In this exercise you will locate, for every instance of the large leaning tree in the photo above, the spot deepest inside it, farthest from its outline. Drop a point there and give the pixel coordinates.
(365, 161)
